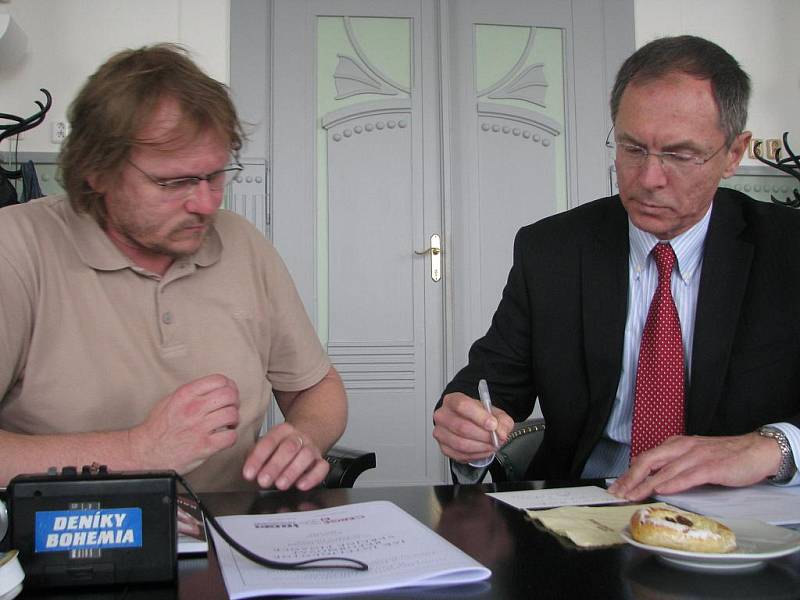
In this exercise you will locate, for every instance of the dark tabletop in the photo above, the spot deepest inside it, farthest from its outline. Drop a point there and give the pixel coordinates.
(526, 562)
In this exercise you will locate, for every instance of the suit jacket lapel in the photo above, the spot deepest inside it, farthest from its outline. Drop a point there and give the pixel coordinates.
(726, 267)
(604, 280)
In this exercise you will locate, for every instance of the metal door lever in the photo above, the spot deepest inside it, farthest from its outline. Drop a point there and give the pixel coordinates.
(435, 251)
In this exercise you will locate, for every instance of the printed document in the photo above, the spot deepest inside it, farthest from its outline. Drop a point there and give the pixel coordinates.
(399, 550)
(777, 505)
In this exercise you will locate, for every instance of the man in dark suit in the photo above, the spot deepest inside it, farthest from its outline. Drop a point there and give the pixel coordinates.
(576, 311)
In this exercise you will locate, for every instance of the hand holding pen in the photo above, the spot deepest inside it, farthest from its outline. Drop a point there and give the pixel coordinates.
(463, 428)
(486, 400)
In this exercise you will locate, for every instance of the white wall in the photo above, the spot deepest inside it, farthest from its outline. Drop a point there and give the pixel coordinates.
(761, 35)
(69, 39)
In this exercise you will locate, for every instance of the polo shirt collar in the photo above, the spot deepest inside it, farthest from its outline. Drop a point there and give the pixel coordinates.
(97, 250)
(688, 247)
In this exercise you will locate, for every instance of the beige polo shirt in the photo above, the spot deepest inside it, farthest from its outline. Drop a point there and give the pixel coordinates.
(90, 342)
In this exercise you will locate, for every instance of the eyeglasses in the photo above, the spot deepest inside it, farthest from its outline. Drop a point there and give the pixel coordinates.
(634, 156)
(181, 187)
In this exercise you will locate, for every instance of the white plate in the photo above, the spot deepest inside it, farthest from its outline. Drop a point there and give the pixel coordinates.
(756, 542)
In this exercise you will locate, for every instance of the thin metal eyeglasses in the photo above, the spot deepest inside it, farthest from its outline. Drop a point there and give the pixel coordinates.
(180, 187)
(632, 155)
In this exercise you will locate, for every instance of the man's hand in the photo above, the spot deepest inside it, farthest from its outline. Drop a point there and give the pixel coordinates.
(463, 429)
(196, 421)
(683, 462)
(284, 457)
(290, 454)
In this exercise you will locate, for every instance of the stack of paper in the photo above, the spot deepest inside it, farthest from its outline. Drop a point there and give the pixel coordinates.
(398, 549)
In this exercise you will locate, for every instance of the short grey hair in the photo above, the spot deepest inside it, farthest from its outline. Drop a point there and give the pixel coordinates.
(699, 58)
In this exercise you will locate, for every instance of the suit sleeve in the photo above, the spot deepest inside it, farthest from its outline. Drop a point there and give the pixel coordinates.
(503, 355)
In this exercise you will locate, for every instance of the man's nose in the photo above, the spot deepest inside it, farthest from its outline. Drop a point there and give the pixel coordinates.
(203, 200)
(652, 173)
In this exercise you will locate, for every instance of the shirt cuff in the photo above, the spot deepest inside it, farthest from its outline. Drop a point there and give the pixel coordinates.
(466, 474)
(792, 434)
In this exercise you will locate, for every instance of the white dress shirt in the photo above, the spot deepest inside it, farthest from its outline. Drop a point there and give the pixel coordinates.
(611, 455)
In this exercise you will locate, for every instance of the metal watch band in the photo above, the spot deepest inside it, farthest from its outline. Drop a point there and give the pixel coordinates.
(787, 467)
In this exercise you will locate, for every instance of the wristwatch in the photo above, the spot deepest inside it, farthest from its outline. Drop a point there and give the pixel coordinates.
(787, 468)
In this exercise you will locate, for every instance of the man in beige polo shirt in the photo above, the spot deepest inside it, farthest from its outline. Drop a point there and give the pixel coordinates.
(143, 327)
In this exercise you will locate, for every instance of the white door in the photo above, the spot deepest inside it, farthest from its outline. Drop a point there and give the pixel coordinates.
(396, 120)
(529, 88)
(356, 192)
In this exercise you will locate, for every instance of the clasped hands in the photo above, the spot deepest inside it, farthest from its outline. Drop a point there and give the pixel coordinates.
(462, 429)
(200, 418)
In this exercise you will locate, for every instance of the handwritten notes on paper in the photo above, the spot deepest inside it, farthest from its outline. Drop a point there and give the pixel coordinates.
(587, 495)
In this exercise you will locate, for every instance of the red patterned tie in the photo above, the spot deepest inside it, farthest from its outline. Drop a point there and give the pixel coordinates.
(658, 404)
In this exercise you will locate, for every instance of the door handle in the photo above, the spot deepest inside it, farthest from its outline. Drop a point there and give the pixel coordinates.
(435, 251)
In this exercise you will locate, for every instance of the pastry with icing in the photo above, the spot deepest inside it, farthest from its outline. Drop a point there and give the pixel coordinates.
(681, 530)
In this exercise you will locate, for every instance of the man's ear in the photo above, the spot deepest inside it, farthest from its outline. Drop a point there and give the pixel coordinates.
(735, 153)
(95, 182)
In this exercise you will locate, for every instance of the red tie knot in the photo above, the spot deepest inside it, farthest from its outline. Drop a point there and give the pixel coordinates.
(664, 256)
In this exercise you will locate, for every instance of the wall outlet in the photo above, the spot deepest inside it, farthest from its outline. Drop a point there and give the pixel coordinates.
(769, 148)
(58, 131)
(754, 142)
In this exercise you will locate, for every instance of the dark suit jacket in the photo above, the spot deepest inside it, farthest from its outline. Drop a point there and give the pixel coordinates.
(558, 331)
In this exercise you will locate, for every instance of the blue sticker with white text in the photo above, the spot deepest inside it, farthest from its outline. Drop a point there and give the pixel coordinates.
(62, 530)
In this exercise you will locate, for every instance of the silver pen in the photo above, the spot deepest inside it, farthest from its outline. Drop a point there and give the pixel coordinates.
(486, 400)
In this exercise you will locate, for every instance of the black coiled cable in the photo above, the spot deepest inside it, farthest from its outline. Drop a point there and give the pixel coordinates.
(324, 562)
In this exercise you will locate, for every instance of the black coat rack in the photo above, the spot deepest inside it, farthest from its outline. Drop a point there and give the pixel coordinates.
(789, 165)
(10, 126)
